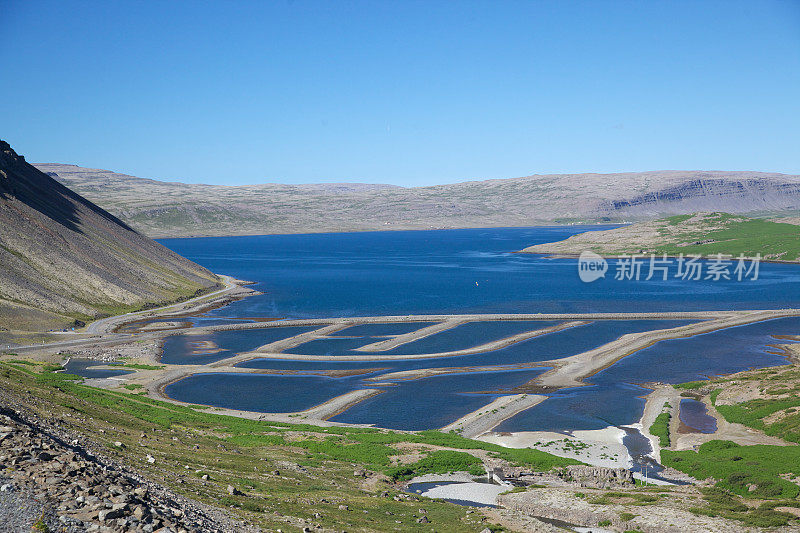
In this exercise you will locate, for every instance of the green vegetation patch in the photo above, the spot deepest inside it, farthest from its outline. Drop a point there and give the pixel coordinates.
(56, 379)
(627, 498)
(749, 471)
(288, 471)
(677, 219)
(722, 503)
(752, 414)
(22, 362)
(371, 447)
(139, 366)
(736, 235)
(438, 462)
(660, 429)
(691, 385)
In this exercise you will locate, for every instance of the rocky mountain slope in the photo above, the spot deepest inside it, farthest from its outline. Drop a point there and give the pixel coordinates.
(698, 234)
(63, 259)
(177, 209)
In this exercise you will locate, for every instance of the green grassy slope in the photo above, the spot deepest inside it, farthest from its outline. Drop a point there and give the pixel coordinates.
(733, 235)
(699, 234)
(287, 472)
(752, 483)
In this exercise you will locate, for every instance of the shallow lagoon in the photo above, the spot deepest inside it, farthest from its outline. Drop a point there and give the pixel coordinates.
(475, 271)
(200, 349)
(694, 415)
(610, 397)
(380, 330)
(434, 402)
(719, 352)
(86, 369)
(257, 392)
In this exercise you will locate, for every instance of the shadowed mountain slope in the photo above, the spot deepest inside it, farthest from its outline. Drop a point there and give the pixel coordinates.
(160, 209)
(63, 258)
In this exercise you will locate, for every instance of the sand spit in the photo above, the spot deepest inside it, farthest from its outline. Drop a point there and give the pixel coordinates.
(399, 340)
(570, 371)
(297, 340)
(489, 346)
(565, 372)
(655, 404)
(490, 415)
(489, 317)
(422, 373)
(337, 405)
(111, 339)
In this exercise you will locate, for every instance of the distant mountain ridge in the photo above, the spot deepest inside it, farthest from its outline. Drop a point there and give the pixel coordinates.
(171, 209)
(63, 259)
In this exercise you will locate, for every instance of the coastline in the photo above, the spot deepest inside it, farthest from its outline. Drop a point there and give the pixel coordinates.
(644, 256)
(385, 229)
(232, 289)
(482, 420)
(492, 414)
(597, 447)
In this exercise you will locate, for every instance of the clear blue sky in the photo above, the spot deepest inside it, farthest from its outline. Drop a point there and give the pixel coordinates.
(401, 92)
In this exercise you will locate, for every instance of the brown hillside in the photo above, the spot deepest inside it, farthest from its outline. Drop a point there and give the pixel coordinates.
(63, 258)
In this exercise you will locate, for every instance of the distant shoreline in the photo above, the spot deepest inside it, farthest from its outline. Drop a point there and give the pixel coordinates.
(564, 255)
(391, 230)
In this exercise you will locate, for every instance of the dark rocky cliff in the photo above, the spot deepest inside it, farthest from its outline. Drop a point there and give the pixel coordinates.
(754, 195)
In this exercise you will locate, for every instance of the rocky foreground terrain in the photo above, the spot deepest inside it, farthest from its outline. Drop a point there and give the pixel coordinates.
(50, 480)
(64, 261)
(171, 209)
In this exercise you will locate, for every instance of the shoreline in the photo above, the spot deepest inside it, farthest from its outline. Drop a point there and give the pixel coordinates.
(481, 421)
(316, 414)
(477, 424)
(231, 288)
(407, 338)
(596, 447)
(644, 256)
(571, 371)
(390, 230)
(655, 402)
(493, 414)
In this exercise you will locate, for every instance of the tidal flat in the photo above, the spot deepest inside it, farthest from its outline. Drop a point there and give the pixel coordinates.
(450, 273)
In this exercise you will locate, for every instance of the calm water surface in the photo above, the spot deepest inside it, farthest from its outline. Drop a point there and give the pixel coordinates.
(451, 271)
(461, 271)
(695, 415)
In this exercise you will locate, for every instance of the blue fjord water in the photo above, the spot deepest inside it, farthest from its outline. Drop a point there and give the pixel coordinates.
(463, 271)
